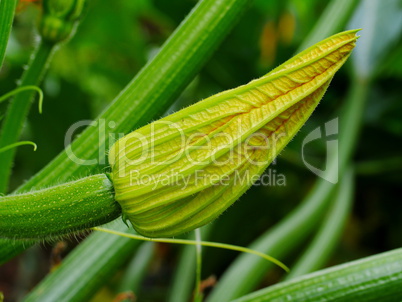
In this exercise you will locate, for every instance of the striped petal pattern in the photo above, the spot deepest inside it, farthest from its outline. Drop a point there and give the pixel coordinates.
(181, 172)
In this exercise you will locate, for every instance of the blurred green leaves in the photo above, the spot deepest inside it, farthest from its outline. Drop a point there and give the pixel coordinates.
(382, 23)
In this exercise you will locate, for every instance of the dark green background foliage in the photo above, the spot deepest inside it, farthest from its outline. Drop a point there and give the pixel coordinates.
(116, 39)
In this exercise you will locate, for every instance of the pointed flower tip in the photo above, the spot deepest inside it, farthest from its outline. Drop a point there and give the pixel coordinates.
(183, 171)
(355, 32)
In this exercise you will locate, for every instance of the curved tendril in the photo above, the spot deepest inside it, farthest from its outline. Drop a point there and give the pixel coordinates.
(23, 88)
(17, 144)
(195, 242)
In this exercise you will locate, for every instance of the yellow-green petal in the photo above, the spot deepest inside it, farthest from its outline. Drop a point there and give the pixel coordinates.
(181, 172)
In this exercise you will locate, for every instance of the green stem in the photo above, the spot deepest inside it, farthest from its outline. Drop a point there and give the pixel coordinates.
(327, 237)
(371, 279)
(7, 10)
(19, 108)
(59, 210)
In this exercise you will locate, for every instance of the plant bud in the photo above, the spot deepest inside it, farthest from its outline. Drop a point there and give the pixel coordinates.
(59, 19)
(181, 172)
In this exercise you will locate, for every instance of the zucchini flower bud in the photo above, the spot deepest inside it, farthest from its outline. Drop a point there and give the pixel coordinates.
(183, 171)
(59, 19)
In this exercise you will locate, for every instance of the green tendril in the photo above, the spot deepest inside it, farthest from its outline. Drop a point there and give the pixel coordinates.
(24, 88)
(196, 242)
(17, 144)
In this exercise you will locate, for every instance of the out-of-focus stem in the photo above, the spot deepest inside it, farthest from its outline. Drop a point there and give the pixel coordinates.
(183, 281)
(7, 9)
(137, 269)
(322, 246)
(333, 19)
(18, 109)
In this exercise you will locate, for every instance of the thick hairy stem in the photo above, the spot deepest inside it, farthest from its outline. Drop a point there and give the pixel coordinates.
(327, 237)
(58, 210)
